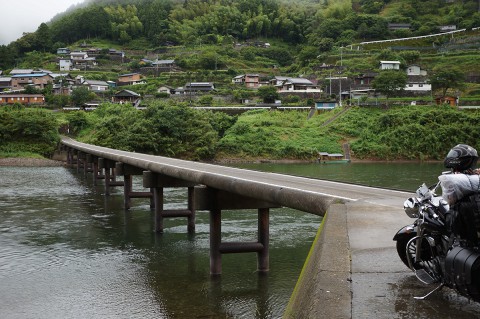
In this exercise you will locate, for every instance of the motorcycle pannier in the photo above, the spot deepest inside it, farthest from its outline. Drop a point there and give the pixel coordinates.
(462, 271)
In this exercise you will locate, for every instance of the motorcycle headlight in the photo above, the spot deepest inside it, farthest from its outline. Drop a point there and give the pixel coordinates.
(411, 208)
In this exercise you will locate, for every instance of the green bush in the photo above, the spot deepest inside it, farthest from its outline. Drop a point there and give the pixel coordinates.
(28, 130)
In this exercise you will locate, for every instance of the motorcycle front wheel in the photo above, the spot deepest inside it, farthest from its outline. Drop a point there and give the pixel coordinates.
(402, 249)
(406, 249)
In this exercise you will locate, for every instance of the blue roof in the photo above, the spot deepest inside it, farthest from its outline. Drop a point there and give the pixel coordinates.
(33, 75)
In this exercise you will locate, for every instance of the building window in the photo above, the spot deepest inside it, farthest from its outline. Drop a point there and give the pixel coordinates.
(420, 85)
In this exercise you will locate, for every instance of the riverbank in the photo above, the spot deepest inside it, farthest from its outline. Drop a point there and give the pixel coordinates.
(29, 162)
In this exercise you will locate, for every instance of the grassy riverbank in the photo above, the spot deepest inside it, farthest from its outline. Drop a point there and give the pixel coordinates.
(399, 133)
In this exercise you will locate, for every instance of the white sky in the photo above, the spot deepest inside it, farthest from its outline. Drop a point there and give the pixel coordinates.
(26, 15)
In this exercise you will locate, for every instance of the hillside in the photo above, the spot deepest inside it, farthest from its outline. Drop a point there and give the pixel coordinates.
(214, 41)
(307, 28)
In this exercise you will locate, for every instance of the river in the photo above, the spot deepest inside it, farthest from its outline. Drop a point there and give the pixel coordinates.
(67, 251)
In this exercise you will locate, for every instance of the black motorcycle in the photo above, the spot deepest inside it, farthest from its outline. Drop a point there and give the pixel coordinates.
(432, 252)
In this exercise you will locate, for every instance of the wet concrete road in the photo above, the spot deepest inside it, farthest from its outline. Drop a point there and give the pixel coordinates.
(382, 287)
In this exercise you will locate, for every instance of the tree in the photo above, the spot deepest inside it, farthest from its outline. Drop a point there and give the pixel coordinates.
(43, 38)
(268, 93)
(390, 82)
(445, 78)
(81, 95)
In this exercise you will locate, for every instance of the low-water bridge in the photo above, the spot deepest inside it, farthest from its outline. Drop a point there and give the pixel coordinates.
(210, 187)
(352, 271)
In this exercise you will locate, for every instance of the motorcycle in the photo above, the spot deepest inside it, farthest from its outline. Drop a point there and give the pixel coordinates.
(436, 255)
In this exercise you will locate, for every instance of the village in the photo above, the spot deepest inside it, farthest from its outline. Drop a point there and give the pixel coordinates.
(27, 86)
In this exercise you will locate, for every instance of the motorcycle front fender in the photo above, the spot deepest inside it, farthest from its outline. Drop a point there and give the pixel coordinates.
(407, 231)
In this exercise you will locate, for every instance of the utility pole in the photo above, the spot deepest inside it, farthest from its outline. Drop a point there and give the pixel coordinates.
(340, 93)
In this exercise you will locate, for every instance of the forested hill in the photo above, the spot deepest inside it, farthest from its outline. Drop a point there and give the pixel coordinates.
(313, 27)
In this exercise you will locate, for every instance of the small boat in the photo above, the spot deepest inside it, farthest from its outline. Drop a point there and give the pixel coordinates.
(327, 158)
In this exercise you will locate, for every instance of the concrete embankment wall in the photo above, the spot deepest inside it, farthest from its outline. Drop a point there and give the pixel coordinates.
(323, 289)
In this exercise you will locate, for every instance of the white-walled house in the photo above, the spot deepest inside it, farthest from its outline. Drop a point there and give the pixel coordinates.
(65, 64)
(390, 65)
(417, 80)
(418, 83)
(96, 86)
(415, 70)
(299, 85)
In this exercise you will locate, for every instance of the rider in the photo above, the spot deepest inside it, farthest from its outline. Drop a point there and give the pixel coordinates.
(465, 212)
(462, 158)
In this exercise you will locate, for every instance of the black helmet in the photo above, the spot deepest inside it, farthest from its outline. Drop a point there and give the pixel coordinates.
(461, 158)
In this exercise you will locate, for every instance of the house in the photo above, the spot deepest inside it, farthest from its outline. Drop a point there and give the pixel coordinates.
(65, 64)
(358, 94)
(449, 100)
(37, 80)
(59, 89)
(415, 70)
(417, 81)
(198, 87)
(290, 84)
(130, 79)
(179, 91)
(81, 60)
(418, 84)
(298, 84)
(116, 54)
(363, 80)
(63, 51)
(25, 99)
(93, 51)
(166, 90)
(164, 65)
(125, 96)
(63, 83)
(389, 65)
(278, 80)
(251, 81)
(361, 85)
(5, 83)
(112, 84)
(21, 71)
(78, 55)
(96, 86)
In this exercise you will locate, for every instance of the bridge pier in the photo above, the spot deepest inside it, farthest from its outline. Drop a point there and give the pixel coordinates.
(215, 201)
(128, 171)
(88, 164)
(158, 182)
(70, 157)
(98, 173)
(79, 160)
(110, 175)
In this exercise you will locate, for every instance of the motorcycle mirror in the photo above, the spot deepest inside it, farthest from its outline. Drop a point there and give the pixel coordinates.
(411, 208)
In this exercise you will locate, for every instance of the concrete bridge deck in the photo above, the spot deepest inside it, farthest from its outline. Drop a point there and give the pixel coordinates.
(353, 270)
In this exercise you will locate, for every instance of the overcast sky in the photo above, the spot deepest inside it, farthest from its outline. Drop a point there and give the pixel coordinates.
(20, 16)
